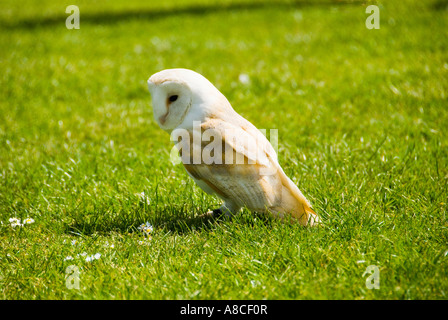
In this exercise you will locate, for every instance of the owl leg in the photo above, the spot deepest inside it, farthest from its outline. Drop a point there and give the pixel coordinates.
(228, 209)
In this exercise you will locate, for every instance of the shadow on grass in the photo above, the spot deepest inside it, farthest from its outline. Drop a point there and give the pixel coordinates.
(173, 220)
(154, 14)
(205, 223)
(89, 223)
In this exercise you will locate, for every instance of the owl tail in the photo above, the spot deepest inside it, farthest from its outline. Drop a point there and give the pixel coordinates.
(295, 203)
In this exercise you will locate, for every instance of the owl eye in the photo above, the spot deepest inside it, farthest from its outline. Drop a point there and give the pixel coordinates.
(173, 98)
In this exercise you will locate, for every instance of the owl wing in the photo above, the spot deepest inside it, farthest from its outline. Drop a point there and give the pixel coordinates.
(249, 173)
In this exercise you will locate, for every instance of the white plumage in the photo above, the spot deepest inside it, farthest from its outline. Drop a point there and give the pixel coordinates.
(246, 173)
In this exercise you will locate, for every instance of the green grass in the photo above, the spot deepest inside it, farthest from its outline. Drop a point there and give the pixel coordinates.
(362, 119)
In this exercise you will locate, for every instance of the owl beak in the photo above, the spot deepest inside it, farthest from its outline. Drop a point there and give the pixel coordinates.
(162, 119)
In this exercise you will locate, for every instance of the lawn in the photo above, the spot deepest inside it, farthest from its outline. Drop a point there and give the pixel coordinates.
(362, 121)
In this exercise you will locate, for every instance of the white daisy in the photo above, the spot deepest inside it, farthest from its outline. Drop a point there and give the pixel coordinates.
(28, 221)
(15, 222)
(146, 228)
(96, 256)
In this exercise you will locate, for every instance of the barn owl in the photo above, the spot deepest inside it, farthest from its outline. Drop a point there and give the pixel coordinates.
(245, 171)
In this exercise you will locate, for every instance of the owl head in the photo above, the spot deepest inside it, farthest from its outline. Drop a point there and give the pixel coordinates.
(181, 96)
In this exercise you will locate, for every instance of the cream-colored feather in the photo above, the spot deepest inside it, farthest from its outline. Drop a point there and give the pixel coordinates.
(258, 182)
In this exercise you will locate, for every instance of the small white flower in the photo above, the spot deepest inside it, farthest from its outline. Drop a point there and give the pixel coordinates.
(28, 221)
(73, 242)
(96, 256)
(16, 225)
(15, 222)
(146, 228)
(68, 258)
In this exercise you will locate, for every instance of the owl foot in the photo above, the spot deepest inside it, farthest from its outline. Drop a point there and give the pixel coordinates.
(222, 212)
(217, 214)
